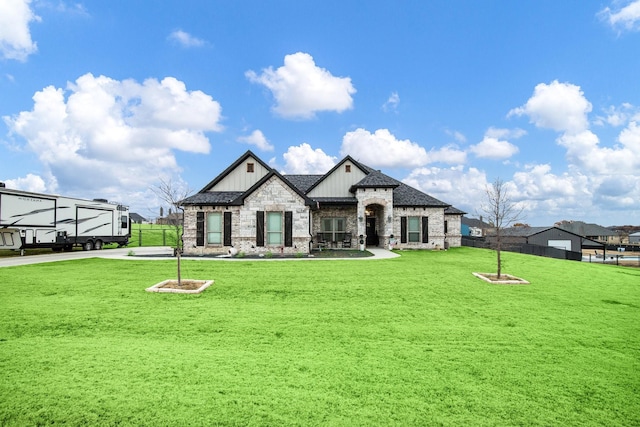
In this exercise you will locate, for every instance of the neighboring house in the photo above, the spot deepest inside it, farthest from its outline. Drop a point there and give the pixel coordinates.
(474, 227)
(554, 237)
(255, 209)
(634, 238)
(590, 231)
(137, 218)
(174, 218)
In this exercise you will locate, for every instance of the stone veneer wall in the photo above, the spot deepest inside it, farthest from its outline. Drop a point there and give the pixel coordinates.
(346, 212)
(436, 227)
(454, 230)
(383, 197)
(271, 196)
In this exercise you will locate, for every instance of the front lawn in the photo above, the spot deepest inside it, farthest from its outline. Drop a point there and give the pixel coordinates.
(415, 340)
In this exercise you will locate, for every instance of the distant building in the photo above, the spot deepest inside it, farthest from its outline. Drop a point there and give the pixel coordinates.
(553, 237)
(590, 231)
(473, 227)
(634, 238)
(137, 218)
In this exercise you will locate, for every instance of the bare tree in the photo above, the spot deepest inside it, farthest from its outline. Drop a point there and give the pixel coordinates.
(502, 212)
(173, 193)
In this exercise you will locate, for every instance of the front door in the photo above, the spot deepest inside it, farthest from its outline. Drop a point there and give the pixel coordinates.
(372, 234)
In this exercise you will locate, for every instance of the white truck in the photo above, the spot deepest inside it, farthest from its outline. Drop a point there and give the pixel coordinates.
(33, 220)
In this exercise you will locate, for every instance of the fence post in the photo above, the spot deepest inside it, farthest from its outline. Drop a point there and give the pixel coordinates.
(140, 237)
(164, 237)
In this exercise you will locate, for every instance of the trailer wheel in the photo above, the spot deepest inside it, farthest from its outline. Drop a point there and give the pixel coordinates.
(97, 245)
(88, 245)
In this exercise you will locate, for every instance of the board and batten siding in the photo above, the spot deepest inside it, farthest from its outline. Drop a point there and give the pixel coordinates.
(241, 180)
(338, 183)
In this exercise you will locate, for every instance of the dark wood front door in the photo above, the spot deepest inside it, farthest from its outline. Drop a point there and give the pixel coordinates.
(372, 235)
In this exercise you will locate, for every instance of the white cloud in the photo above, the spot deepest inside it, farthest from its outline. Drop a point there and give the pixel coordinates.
(449, 154)
(492, 147)
(106, 134)
(558, 106)
(258, 139)
(392, 103)
(617, 116)
(301, 88)
(15, 37)
(624, 18)
(185, 39)
(303, 159)
(462, 188)
(458, 136)
(31, 182)
(382, 149)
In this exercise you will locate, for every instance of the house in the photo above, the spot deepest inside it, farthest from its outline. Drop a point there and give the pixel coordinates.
(137, 218)
(590, 231)
(255, 209)
(473, 227)
(634, 238)
(174, 218)
(554, 237)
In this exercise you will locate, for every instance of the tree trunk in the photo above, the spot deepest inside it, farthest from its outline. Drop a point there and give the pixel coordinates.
(179, 274)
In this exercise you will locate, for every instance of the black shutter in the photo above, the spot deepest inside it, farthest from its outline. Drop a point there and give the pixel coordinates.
(446, 227)
(227, 228)
(403, 229)
(425, 229)
(288, 229)
(260, 228)
(199, 228)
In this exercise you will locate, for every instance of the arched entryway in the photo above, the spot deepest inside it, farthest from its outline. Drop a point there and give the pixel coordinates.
(374, 222)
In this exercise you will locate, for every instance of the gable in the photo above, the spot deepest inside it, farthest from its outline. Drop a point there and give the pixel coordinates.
(244, 175)
(338, 181)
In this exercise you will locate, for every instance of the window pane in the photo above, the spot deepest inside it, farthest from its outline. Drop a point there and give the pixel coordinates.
(327, 224)
(274, 228)
(274, 221)
(340, 224)
(414, 223)
(214, 228)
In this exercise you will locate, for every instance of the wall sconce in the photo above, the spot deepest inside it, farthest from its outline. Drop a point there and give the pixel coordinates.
(360, 218)
(389, 218)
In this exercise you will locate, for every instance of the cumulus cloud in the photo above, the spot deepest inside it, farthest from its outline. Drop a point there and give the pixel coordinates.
(31, 182)
(382, 149)
(303, 159)
(392, 103)
(185, 39)
(15, 36)
(301, 88)
(558, 106)
(102, 133)
(493, 147)
(257, 139)
(623, 18)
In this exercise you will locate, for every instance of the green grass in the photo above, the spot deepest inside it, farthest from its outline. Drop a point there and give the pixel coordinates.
(415, 340)
(152, 235)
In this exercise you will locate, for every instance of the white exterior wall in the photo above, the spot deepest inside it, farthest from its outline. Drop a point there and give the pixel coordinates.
(241, 180)
(454, 230)
(338, 183)
(382, 197)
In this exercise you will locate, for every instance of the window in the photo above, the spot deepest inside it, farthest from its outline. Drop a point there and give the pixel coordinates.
(214, 228)
(347, 168)
(333, 229)
(250, 167)
(274, 228)
(414, 229)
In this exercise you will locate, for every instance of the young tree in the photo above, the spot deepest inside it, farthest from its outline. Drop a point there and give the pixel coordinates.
(501, 212)
(173, 193)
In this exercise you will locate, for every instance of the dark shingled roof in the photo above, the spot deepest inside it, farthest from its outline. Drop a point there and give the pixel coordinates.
(404, 195)
(453, 211)
(376, 179)
(337, 200)
(302, 182)
(213, 197)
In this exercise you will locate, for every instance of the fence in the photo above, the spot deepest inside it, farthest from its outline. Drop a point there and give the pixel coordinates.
(152, 235)
(524, 248)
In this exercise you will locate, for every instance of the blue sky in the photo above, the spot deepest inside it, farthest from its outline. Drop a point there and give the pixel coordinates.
(105, 99)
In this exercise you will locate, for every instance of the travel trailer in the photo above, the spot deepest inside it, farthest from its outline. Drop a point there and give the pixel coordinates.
(33, 220)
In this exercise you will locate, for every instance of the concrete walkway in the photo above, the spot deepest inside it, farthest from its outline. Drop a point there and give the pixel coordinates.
(163, 253)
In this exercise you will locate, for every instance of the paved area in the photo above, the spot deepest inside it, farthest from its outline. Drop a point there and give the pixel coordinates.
(159, 252)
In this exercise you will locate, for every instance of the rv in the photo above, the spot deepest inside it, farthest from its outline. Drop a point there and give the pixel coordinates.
(33, 220)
